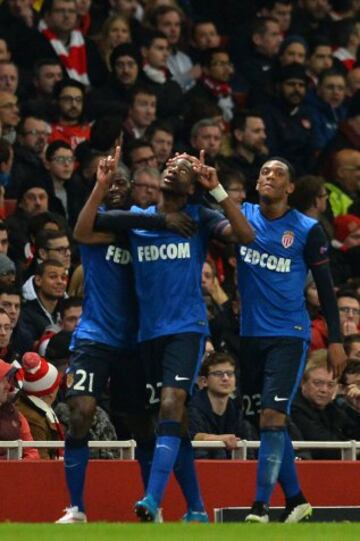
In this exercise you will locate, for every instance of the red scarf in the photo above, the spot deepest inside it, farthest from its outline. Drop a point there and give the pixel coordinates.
(73, 57)
(217, 89)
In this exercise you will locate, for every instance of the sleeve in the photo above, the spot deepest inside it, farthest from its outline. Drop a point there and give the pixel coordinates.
(117, 221)
(316, 256)
(25, 434)
(213, 221)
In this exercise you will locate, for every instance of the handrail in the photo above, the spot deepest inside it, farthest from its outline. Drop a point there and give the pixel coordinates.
(127, 448)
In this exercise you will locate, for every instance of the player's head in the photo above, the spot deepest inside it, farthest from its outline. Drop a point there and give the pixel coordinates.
(276, 180)
(119, 188)
(179, 178)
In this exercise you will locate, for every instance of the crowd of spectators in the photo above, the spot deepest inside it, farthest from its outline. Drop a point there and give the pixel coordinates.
(243, 81)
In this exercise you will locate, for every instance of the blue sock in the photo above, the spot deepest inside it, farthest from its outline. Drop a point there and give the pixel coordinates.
(166, 450)
(144, 455)
(76, 457)
(271, 453)
(288, 478)
(185, 474)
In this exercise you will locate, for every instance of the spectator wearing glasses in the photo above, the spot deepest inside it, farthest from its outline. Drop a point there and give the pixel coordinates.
(32, 137)
(65, 198)
(349, 313)
(214, 414)
(70, 125)
(48, 245)
(140, 154)
(145, 187)
(315, 412)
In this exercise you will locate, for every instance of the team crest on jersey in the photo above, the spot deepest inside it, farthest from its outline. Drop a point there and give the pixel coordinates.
(287, 239)
(69, 380)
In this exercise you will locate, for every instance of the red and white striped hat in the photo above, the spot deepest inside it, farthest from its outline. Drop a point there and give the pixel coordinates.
(40, 377)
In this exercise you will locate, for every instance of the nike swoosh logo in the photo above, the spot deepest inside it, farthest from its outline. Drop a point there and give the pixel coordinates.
(164, 446)
(278, 399)
(180, 378)
(72, 465)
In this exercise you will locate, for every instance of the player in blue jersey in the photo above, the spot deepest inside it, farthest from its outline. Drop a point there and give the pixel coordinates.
(172, 318)
(275, 327)
(103, 344)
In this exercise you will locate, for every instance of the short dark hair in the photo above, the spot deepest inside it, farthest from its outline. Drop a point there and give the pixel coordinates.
(140, 89)
(238, 121)
(158, 125)
(37, 222)
(104, 132)
(43, 237)
(45, 62)
(259, 25)
(349, 341)
(331, 72)
(214, 358)
(353, 367)
(48, 5)
(10, 289)
(67, 83)
(292, 174)
(54, 147)
(70, 302)
(307, 188)
(317, 41)
(347, 291)
(150, 36)
(207, 55)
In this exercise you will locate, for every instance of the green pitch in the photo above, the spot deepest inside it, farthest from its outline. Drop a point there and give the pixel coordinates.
(180, 532)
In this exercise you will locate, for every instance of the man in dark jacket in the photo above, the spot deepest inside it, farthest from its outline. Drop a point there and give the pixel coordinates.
(315, 412)
(213, 414)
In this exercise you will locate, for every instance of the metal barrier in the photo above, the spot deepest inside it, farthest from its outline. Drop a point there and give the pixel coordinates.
(349, 449)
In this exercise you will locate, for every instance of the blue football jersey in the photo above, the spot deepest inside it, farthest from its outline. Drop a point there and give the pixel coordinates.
(110, 308)
(168, 270)
(272, 271)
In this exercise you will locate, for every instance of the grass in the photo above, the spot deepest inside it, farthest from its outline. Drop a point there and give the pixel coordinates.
(180, 532)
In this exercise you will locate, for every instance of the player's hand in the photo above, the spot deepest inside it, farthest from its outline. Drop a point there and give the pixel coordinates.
(336, 359)
(230, 441)
(181, 223)
(107, 167)
(206, 175)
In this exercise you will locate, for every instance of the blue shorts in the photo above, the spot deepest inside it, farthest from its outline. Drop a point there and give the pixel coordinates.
(171, 361)
(95, 368)
(270, 373)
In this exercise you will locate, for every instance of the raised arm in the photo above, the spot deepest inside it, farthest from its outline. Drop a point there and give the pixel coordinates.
(239, 229)
(84, 228)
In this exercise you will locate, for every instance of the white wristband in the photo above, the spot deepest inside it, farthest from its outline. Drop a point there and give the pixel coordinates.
(219, 193)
